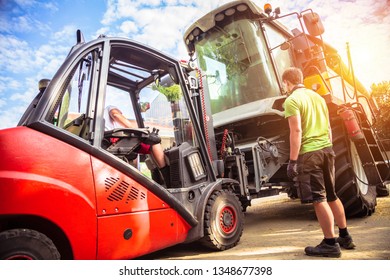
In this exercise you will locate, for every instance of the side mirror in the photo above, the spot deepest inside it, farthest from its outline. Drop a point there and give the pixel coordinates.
(166, 81)
(313, 23)
(42, 84)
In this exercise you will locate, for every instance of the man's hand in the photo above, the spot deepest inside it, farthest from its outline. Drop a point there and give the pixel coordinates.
(152, 138)
(292, 169)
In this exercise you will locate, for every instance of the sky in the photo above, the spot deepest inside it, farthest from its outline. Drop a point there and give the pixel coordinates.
(36, 35)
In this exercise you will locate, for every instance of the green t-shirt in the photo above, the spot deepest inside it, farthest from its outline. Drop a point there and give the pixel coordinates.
(314, 118)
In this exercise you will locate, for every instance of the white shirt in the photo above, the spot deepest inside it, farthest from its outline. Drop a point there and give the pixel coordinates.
(109, 123)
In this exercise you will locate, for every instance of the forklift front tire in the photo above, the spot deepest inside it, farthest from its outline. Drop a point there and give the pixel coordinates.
(223, 221)
(26, 244)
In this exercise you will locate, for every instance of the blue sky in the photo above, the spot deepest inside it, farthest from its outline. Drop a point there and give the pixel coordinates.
(36, 35)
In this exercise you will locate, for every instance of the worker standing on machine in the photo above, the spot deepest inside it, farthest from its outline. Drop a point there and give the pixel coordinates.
(312, 162)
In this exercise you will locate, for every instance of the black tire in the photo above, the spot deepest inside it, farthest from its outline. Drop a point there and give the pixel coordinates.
(223, 221)
(382, 190)
(26, 244)
(357, 196)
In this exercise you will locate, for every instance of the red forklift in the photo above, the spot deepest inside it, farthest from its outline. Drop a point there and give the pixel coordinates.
(67, 191)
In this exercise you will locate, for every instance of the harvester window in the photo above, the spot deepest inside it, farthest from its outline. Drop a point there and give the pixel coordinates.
(237, 64)
(283, 58)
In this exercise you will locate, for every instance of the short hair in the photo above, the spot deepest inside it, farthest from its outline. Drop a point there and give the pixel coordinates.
(293, 75)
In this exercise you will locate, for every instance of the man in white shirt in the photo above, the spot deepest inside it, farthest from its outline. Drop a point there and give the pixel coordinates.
(115, 119)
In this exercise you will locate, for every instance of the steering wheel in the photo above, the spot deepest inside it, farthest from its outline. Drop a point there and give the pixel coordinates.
(122, 142)
(121, 133)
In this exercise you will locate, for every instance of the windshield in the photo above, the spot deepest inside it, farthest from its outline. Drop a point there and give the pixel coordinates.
(237, 65)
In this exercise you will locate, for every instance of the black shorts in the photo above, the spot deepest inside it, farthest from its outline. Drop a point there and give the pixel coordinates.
(316, 178)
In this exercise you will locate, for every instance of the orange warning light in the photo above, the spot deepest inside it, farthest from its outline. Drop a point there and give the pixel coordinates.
(268, 8)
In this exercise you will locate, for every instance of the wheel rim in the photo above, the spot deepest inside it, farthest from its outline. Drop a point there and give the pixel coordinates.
(20, 257)
(227, 219)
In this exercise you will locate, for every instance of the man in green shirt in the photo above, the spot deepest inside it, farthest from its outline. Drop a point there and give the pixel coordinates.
(312, 162)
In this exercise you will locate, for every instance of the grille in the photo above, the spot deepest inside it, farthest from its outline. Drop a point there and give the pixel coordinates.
(118, 190)
(175, 174)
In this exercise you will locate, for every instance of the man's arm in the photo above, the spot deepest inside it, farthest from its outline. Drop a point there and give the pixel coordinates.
(117, 116)
(294, 123)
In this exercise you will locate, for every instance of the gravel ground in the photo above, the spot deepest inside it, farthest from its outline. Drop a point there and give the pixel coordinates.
(278, 228)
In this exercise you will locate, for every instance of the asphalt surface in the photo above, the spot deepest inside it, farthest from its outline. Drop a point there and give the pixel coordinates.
(278, 228)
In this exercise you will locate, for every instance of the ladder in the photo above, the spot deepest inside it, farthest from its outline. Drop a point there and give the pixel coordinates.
(371, 152)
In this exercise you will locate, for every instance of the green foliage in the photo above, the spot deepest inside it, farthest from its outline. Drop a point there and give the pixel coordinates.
(381, 93)
(172, 93)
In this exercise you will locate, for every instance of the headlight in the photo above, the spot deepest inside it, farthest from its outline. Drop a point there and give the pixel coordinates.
(196, 166)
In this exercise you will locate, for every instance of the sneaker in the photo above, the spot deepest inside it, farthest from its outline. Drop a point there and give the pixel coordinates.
(324, 250)
(346, 242)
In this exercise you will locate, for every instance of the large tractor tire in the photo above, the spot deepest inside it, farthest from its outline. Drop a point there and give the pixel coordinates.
(26, 244)
(223, 221)
(357, 196)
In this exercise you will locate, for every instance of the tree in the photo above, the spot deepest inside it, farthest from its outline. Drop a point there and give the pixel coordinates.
(381, 93)
(172, 93)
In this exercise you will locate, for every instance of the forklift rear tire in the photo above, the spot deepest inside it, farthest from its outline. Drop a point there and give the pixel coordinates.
(357, 196)
(26, 244)
(223, 221)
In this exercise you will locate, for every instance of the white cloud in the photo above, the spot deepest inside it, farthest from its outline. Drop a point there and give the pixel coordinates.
(50, 6)
(14, 54)
(21, 68)
(164, 31)
(18, 56)
(2, 102)
(65, 34)
(8, 84)
(23, 23)
(9, 116)
(128, 27)
(102, 31)
(23, 3)
(20, 16)
(160, 24)
(111, 13)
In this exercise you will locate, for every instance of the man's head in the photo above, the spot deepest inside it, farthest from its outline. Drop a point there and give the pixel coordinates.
(292, 77)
